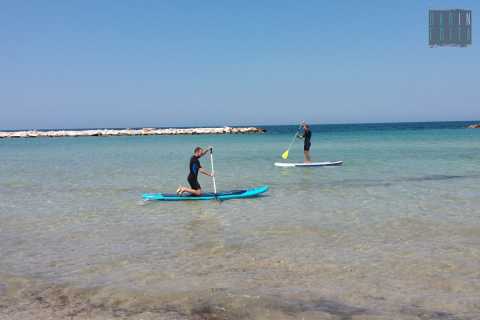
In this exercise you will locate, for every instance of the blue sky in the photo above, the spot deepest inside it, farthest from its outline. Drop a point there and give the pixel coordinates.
(113, 63)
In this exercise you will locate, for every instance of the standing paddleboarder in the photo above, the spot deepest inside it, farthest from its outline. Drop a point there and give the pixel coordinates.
(307, 135)
(195, 167)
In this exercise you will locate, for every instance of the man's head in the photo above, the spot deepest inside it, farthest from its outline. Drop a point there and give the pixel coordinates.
(198, 151)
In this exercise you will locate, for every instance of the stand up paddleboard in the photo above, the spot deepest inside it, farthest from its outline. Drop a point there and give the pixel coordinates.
(226, 195)
(311, 164)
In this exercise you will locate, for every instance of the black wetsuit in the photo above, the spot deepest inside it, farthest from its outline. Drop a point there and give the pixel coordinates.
(307, 135)
(193, 175)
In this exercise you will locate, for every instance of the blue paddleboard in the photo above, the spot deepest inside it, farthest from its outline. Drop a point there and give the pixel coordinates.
(226, 195)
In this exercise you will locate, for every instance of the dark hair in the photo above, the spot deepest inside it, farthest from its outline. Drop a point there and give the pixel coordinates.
(197, 149)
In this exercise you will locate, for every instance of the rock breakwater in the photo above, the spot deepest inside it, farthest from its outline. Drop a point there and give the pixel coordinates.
(127, 132)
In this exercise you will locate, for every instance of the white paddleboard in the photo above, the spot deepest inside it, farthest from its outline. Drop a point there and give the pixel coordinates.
(311, 164)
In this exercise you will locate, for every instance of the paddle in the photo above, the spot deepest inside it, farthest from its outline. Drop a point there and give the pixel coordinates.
(213, 172)
(285, 153)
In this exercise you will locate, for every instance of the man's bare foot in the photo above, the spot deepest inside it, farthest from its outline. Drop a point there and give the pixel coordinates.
(179, 190)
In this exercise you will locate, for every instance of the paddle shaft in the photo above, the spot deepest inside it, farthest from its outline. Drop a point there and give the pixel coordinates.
(213, 172)
(294, 138)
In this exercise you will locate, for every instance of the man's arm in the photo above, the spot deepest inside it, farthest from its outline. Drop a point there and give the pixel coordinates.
(205, 172)
(205, 151)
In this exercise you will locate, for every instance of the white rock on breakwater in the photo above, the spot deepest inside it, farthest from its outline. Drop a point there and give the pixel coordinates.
(127, 132)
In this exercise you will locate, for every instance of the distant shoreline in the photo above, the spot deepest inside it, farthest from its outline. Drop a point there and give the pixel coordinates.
(128, 132)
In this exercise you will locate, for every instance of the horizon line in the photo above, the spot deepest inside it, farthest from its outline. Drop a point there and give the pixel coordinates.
(238, 126)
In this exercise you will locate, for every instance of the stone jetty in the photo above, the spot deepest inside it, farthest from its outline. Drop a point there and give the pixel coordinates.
(474, 126)
(127, 132)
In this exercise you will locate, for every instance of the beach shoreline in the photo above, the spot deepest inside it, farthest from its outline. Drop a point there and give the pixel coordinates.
(128, 132)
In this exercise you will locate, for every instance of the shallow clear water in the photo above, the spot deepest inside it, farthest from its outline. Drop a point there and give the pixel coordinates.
(395, 232)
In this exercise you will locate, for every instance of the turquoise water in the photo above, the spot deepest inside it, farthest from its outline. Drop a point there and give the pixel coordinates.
(393, 233)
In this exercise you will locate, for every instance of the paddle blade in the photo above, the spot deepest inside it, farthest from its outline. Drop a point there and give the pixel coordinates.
(285, 155)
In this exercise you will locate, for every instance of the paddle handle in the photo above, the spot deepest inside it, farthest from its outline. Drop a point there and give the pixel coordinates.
(213, 172)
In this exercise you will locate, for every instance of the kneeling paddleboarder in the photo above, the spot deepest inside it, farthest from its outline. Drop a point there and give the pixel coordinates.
(195, 167)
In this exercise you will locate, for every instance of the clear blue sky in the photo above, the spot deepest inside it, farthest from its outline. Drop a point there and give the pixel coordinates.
(112, 63)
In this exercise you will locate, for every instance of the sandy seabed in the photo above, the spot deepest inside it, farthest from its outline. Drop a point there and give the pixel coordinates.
(27, 299)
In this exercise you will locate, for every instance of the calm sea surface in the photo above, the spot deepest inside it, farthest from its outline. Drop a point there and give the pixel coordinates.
(392, 234)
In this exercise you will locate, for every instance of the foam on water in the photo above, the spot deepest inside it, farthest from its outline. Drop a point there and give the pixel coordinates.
(394, 233)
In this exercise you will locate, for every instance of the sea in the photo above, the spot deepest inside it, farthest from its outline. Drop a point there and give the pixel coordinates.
(394, 233)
